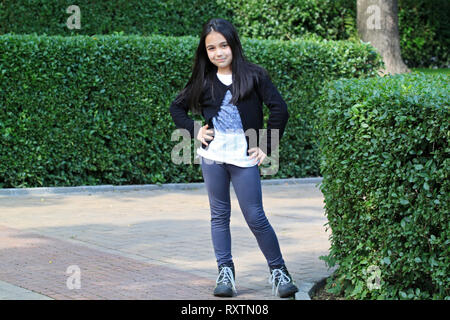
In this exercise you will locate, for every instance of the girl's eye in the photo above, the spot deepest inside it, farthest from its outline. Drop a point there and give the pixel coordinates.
(223, 46)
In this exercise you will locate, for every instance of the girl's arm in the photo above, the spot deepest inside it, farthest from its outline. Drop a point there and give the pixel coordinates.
(179, 111)
(278, 116)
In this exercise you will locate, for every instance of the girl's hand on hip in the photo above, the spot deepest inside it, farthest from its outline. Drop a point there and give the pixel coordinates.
(258, 154)
(205, 134)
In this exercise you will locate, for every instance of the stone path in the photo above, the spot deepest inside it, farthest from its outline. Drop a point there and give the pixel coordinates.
(149, 244)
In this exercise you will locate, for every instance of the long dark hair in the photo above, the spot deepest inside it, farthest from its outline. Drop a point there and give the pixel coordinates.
(245, 73)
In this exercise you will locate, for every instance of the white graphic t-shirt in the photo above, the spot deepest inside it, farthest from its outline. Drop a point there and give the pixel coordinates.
(229, 144)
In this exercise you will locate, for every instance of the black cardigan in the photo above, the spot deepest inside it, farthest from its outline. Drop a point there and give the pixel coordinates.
(250, 110)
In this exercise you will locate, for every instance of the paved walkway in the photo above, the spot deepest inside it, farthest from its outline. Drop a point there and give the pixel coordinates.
(149, 243)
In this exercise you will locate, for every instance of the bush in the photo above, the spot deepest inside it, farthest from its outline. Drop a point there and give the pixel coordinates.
(132, 17)
(423, 24)
(384, 159)
(94, 110)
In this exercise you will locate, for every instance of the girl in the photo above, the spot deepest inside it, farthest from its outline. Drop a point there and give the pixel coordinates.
(228, 91)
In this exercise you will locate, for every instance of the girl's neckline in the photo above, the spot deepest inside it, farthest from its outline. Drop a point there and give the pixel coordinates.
(220, 82)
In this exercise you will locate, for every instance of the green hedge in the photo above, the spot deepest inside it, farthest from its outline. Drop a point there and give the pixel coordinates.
(423, 24)
(94, 110)
(170, 18)
(385, 165)
(271, 19)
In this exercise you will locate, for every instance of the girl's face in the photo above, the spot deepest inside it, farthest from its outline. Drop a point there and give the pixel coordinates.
(219, 52)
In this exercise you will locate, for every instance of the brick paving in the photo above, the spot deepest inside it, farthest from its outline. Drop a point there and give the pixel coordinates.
(152, 244)
(39, 263)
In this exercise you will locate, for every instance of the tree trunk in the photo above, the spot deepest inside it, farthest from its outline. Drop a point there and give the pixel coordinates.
(377, 22)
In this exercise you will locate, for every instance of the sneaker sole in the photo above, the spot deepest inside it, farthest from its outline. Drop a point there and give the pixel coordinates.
(225, 292)
(289, 292)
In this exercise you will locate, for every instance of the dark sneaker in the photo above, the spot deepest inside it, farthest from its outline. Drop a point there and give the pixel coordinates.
(225, 286)
(282, 283)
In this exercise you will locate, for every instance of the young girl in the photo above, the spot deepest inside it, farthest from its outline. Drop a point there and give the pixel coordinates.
(229, 91)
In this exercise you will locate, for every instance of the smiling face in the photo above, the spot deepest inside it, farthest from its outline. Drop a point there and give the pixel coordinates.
(219, 52)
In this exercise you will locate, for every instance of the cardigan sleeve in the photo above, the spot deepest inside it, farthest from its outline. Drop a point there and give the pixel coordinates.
(178, 110)
(278, 113)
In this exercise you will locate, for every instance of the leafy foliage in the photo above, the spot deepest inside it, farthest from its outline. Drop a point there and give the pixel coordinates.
(423, 24)
(385, 165)
(94, 110)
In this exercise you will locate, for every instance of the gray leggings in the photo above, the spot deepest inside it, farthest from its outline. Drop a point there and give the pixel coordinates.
(247, 186)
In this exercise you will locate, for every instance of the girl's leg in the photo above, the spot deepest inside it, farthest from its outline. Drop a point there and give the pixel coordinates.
(247, 185)
(217, 182)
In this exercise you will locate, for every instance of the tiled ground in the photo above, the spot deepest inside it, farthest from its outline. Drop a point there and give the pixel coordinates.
(153, 244)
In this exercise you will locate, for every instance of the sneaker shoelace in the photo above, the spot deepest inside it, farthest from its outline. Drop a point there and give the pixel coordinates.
(227, 276)
(277, 278)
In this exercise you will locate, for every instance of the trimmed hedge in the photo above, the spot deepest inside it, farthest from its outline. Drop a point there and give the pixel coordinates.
(169, 18)
(385, 165)
(94, 110)
(423, 24)
(271, 19)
